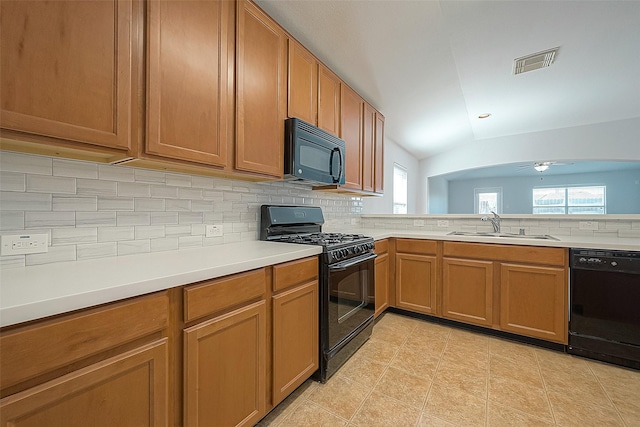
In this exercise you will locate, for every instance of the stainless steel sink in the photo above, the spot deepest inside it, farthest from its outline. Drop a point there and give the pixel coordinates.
(507, 235)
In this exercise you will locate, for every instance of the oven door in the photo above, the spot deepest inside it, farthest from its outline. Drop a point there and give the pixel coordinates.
(348, 299)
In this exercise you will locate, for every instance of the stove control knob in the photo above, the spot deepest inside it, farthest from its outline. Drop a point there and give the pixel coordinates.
(357, 249)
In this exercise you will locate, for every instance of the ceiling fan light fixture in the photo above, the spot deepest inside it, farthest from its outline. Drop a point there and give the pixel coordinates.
(541, 167)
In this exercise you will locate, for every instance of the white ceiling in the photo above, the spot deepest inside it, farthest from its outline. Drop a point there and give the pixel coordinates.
(431, 67)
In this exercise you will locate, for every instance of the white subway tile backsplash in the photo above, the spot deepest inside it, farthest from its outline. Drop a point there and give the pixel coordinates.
(115, 173)
(164, 192)
(73, 204)
(189, 241)
(11, 220)
(95, 210)
(149, 205)
(201, 206)
(12, 181)
(115, 204)
(162, 218)
(133, 189)
(94, 187)
(16, 201)
(149, 176)
(75, 169)
(115, 234)
(50, 184)
(55, 254)
(177, 205)
(177, 230)
(134, 247)
(97, 250)
(12, 261)
(190, 217)
(149, 231)
(49, 219)
(133, 218)
(25, 163)
(164, 244)
(73, 236)
(190, 193)
(178, 180)
(202, 182)
(95, 219)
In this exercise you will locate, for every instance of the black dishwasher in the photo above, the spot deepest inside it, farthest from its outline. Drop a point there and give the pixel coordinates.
(604, 321)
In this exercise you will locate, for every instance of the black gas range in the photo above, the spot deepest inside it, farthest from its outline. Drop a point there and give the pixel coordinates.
(346, 279)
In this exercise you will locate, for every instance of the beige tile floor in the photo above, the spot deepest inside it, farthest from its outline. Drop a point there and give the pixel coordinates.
(416, 373)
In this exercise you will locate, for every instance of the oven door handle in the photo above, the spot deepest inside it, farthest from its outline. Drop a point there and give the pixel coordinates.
(351, 262)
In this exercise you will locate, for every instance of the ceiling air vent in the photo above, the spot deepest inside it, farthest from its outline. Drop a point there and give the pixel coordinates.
(534, 61)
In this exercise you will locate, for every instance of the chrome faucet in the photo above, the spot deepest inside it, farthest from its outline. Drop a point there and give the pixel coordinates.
(495, 221)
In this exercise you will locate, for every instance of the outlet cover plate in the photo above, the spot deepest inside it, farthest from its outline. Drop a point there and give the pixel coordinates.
(443, 223)
(418, 222)
(21, 244)
(588, 225)
(214, 230)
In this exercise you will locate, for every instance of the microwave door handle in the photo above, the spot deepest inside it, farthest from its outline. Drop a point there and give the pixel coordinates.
(335, 150)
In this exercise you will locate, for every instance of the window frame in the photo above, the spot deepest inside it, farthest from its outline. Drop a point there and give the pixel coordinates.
(482, 190)
(397, 204)
(567, 205)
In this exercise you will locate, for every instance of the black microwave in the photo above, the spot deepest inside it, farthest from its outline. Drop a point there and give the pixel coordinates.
(311, 154)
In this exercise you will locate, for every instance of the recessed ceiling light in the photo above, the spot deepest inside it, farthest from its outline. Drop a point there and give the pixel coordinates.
(484, 115)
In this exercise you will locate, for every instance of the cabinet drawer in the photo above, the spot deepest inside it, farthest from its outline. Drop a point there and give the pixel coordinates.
(214, 295)
(294, 273)
(36, 349)
(382, 246)
(415, 246)
(493, 252)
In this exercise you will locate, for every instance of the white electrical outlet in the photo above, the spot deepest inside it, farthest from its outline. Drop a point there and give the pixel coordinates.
(588, 225)
(214, 230)
(418, 222)
(20, 244)
(443, 223)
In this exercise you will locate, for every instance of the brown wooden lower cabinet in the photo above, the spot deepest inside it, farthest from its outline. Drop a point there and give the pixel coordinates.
(130, 389)
(533, 301)
(382, 284)
(295, 338)
(467, 291)
(225, 368)
(416, 282)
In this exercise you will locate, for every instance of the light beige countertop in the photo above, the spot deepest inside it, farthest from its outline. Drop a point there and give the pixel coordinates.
(34, 292)
(587, 242)
(28, 293)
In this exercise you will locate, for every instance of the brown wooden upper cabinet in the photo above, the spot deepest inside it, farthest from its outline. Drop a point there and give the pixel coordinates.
(261, 92)
(188, 80)
(69, 72)
(351, 110)
(378, 157)
(314, 91)
(303, 84)
(368, 147)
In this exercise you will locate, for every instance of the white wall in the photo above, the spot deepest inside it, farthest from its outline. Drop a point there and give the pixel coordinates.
(393, 153)
(618, 140)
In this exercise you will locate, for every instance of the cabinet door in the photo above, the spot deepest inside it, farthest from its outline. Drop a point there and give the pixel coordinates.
(303, 84)
(467, 290)
(67, 70)
(188, 90)
(416, 282)
(295, 338)
(378, 161)
(533, 301)
(351, 131)
(261, 92)
(382, 283)
(225, 361)
(126, 390)
(328, 100)
(368, 147)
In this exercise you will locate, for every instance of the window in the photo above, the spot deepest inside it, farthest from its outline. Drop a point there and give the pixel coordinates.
(570, 200)
(399, 189)
(487, 200)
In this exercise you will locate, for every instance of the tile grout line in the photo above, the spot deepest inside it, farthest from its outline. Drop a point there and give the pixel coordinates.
(546, 391)
(624, 421)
